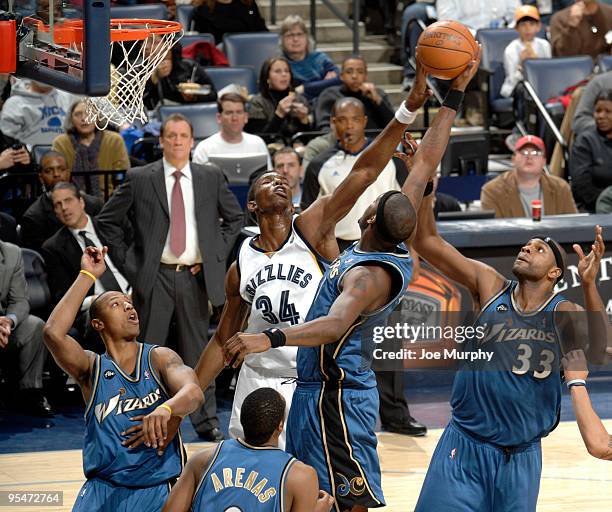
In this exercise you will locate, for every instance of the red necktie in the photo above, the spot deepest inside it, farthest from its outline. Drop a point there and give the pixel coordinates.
(177, 217)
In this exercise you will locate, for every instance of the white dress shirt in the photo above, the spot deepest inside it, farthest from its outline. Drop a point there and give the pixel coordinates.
(98, 288)
(191, 255)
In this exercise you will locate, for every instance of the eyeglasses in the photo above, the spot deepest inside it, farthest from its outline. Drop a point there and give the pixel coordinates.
(294, 35)
(531, 152)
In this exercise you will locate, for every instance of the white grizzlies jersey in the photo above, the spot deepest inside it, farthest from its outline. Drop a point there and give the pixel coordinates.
(280, 286)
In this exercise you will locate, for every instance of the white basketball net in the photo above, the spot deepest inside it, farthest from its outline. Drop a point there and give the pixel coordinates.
(123, 104)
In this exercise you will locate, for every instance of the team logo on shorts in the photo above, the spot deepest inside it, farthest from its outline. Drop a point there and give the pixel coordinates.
(146, 374)
(452, 454)
(356, 486)
(109, 374)
(501, 308)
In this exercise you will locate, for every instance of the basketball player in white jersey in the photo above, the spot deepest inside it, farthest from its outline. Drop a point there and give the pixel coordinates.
(276, 275)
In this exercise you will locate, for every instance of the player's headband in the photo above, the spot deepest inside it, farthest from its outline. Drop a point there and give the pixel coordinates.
(381, 226)
(555, 249)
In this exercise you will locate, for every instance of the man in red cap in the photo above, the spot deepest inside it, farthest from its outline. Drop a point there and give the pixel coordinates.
(512, 193)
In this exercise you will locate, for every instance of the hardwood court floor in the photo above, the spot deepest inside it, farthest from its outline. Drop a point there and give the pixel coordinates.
(571, 479)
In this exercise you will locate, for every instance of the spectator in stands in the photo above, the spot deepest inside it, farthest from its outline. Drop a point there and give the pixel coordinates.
(329, 168)
(185, 222)
(21, 333)
(176, 80)
(35, 113)
(288, 163)
(218, 17)
(581, 29)
(511, 194)
(39, 221)
(478, 13)
(591, 156)
(318, 145)
(527, 46)
(88, 149)
(277, 110)
(8, 228)
(63, 251)
(583, 117)
(313, 71)
(354, 76)
(14, 156)
(231, 139)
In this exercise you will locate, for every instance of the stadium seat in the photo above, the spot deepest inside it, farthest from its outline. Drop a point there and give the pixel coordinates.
(143, 11)
(494, 42)
(244, 76)
(197, 38)
(605, 63)
(39, 151)
(203, 117)
(39, 296)
(184, 15)
(250, 49)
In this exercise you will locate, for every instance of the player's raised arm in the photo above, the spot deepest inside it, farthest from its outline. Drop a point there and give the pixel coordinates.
(182, 493)
(322, 216)
(364, 289)
(432, 147)
(66, 351)
(480, 279)
(595, 436)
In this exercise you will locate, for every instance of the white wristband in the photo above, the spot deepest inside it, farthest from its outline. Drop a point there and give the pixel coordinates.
(403, 115)
(581, 382)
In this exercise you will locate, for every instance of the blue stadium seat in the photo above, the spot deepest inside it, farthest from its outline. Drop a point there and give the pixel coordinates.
(605, 63)
(39, 296)
(143, 11)
(196, 38)
(39, 150)
(250, 49)
(494, 42)
(203, 117)
(550, 77)
(184, 15)
(222, 77)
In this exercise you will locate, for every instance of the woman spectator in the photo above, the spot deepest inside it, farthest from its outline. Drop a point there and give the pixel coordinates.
(218, 17)
(178, 81)
(277, 109)
(88, 149)
(312, 71)
(591, 156)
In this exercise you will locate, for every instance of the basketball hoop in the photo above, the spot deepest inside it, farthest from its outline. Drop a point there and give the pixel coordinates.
(143, 45)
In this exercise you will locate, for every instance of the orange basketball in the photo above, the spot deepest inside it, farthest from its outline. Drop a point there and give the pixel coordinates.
(445, 49)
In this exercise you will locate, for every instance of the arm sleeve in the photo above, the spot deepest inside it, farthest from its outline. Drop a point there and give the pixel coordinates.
(323, 109)
(511, 67)
(11, 123)
(488, 201)
(581, 161)
(583, 117)
(567, 200)
(229, 211)
(17, 300)
(199, 155)
(313, 89)
(384, 111)
(562, 40)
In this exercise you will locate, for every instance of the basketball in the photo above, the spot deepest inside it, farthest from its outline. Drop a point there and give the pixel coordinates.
(445, 49)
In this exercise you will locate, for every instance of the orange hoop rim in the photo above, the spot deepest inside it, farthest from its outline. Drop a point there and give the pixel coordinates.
(71, 31)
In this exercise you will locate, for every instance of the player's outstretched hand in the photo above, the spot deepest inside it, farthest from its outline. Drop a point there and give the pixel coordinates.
(409, 147)
(462, 81)
(588, 266)
(239, 345)
(136, 434)
(324, 503)
(93, 260)
(419, 92)
(575, 365)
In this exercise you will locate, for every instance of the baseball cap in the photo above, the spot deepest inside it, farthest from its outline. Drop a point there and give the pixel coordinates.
(529, 140)
(526, 11)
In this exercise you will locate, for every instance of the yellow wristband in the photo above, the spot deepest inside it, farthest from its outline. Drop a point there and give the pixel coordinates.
(166, 406)
(87, 273)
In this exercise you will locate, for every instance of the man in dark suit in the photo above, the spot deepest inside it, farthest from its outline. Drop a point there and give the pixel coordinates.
(21, 333)
(176, 263)
(39, 221)
(63, 252)
(8, 228)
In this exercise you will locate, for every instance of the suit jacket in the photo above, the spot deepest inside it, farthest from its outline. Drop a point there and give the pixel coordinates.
(39, 221)
(62, 255)
(143, 200)
(13, 288)
(8, 228)
(502, 195)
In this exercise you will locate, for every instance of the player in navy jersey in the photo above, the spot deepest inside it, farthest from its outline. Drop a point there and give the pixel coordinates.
(489, 457)
(250, 474)
(333, 415)
(130, 380)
